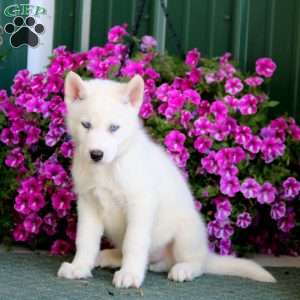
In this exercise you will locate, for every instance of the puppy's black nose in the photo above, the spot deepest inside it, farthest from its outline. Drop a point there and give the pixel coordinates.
(96, 155)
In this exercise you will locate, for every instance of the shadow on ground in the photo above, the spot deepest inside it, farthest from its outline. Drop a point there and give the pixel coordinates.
(32, 276)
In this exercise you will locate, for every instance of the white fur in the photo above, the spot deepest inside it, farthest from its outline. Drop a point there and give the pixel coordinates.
(135, 195)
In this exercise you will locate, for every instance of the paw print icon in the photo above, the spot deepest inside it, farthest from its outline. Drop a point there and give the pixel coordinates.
(24, 32)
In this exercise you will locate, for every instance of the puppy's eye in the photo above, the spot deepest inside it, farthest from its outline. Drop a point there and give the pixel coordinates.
(113, 128)
(86, 125)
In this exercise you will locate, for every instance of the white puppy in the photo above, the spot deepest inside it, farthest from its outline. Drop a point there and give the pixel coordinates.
(130, 190)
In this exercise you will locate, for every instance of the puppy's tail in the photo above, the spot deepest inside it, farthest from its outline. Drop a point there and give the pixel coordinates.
(233, 266)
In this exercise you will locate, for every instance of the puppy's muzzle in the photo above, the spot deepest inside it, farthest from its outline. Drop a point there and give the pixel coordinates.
(96, 155)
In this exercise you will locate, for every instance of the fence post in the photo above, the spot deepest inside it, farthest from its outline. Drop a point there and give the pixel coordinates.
(160, 26)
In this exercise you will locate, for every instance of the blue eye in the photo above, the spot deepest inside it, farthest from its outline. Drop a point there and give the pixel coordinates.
(113, 128)
(86, 125)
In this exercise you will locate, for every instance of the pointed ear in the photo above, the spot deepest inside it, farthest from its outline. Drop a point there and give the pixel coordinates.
(74, 88)
(135, 91)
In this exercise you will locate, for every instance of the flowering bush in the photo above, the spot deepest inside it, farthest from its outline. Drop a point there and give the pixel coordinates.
(212, 119)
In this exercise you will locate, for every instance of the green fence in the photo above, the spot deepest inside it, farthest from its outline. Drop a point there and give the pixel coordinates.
(247, 28)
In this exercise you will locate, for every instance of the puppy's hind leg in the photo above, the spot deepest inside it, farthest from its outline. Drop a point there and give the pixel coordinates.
(109, 258)
(189, 250)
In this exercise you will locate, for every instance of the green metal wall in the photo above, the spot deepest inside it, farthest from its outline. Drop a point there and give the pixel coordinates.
(247, 28)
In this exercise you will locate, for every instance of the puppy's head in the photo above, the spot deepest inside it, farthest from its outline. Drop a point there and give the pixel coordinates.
(102, 115)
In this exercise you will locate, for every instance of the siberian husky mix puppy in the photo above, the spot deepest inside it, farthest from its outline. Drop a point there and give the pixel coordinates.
(131, 191)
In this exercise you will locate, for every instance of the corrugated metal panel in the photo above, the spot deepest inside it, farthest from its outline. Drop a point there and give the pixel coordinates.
(16, 57)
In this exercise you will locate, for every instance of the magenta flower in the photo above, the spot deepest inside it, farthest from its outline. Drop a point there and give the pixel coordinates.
(232, 102)
(225, 247)
(295, 132)
(20, 234)
(209, 163)
(250, 188)
(146, 110)
(62, 199)
(22, 203)
(202, 126)
(36, 202)
(266, 193)
(243, 220)
(288, 222)
(224, 209)
(254, 81)
(248, 105)
(192, 96)
(272, 148)
(202, 144)
(15, 158)
(219, 109)
(174, 141)
(265, 67)
(9, 137)
(278, 210)
(66, 149)
(228, 170)
(32, 223)
(291, 187)
(253, 144)
(50, 223)
(233, 86)
(242, 134)
(229, 186)
(33, 135)
(225, 231)
(116, 33)
(192, 58)
(185, 118)
(60, 247)
(181, 157)
(148, 43)
(176, 99)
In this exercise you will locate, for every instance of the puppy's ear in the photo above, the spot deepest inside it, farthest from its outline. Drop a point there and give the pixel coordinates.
(135, 91)
(74, 88)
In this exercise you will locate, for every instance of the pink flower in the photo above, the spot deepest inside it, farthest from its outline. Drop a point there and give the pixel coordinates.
(244, 220)
(225, 247)
(15, 158)
(242, 134)
(272, 148)
(253, 144)
(174, 141)
(32, 223)
(61, 200)
(219, 109)
(265, 67)
(288, 222)
(278, 210)
(203, 144)
(233, 86)
(250, 188)
(50, 223)
(209, 163)
(248, 105)
(185, 117)
(291, 188)
(116, 33)
(266, 194)
(192, 96)
(229, 185)
(36, 202)
(20, 234)
(148, 43)
(60, 247)
(254, 81)
(224, 209)
(192, 58)
(66, 149)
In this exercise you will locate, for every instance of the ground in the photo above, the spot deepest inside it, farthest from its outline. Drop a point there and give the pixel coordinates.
(33, 276)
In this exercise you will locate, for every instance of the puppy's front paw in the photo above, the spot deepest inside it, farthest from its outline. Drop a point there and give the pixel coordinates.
(127, 279)
(72, 271)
